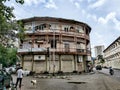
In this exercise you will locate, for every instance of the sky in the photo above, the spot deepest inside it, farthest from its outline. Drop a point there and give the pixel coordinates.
(103, 16)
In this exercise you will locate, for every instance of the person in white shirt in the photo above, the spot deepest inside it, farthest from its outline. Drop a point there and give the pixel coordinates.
(19, 77)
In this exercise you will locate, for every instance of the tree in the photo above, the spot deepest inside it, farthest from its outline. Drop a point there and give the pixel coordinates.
(8, 56)
(101, 59)
(7, 25)
(3, 54)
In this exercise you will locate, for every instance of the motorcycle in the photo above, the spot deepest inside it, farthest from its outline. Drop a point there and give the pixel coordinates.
(111, 71)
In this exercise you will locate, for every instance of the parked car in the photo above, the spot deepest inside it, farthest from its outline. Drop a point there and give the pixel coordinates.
(5, 79)
(26, 72)
(10, 70)
(105, 67)
(98, 67)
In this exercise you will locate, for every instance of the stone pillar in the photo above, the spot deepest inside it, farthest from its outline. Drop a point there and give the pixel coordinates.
(32, 62)
(46, 59)
(75, 64)
(22, 61)
(84, 63)
(60, 65)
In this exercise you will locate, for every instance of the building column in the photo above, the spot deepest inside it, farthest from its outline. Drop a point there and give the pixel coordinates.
(32, 62)
(75, 64)
(22, 61)
(84, 63)
(60, 64)
(46, 59)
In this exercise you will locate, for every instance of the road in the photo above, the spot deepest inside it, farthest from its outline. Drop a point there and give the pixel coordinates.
(106, 71)
(96, 81)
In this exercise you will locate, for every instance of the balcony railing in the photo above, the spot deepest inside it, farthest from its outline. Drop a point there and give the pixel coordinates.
(32, 50)
(62, 32)
(57, 50)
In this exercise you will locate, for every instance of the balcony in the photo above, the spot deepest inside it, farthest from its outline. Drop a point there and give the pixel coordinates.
(58, 32)
(57, 51)
(32, 50)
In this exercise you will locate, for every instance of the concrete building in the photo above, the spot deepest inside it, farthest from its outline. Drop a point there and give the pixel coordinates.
(55, 45)
(99, 50)
(112, 54)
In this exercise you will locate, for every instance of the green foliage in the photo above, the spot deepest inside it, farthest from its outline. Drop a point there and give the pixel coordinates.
(21, 31)
(20, 1)
(101, 59)
(7, 25)
(7, 56)
(6, 14)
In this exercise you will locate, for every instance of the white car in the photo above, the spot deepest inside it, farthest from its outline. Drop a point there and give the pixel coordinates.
(26, 72)
(10, 70)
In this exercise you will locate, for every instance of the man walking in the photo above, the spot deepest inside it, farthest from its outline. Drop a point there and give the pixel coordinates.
(19, 77)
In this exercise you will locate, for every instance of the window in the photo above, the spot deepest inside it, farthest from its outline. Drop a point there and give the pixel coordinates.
(78, 45)
(71, 27)
(39, 57)
(53, 43)
(66, 29)
(80, 29)
(40, 27)
(38, 46)
(67, 47)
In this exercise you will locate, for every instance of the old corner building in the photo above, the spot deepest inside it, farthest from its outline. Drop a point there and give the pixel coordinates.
(112, 54)
(55, 45)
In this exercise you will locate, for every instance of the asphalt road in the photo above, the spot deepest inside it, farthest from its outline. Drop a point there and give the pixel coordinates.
(96, 81)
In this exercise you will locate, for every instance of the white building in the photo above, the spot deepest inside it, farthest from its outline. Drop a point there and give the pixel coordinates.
(99, 50)
(112, 54)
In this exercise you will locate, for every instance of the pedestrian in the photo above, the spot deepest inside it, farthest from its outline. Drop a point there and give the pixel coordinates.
(19, 77)
(111, 71)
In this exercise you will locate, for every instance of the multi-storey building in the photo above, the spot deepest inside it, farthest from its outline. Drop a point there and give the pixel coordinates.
(112, 54)
(99, 50)
(55, 45)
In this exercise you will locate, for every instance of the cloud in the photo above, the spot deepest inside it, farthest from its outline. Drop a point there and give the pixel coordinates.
(45, 3)
(117, 23)
(110, 17)
(51, 4)
(77, 5)
(76, 2)
(98, 3)
(89, 1)
(35, 2)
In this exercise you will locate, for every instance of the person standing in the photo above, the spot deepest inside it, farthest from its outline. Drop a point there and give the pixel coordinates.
(19, 77)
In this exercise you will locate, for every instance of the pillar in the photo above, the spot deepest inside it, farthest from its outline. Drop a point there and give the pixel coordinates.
(75, 64)
(60, 63)
(84, 63)
(32, 62)
(23, 61)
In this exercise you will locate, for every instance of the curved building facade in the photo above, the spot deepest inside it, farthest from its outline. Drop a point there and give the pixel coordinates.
(55, 45)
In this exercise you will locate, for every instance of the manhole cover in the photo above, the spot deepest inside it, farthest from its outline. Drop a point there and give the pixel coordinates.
(77, 82)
